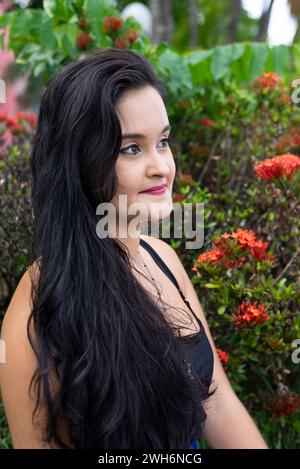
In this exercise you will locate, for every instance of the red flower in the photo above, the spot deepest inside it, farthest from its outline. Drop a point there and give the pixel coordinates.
(245, 238)
(17, 128)
(250, 313)
(178, 197)
(207, 122)
(17, 123)
(286, 404)
(83, 24)
(214, 256)
(83, 40)
(112, 23)
(225, 248)
(224, 356)
(258, 249)
(131, 35)
(31, 118)
(11, 122)
(282, 165)
(121, 43)
(268, 81)
(286, 142)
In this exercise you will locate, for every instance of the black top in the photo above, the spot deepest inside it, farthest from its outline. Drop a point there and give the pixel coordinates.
(198, 350)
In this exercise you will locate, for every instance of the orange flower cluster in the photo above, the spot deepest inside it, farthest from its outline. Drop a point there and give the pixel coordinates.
(112, 23)
(286, 164)
(285, 404)
(250, 313)
(224, 356)
(224, 247)
(282, 165)
(288, 141)
(268, 81)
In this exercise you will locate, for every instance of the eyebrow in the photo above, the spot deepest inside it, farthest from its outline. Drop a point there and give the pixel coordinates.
(135, 135)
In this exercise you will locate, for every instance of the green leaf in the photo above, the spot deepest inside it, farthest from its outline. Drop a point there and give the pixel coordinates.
(280, 59)
(212, 285)
(95, 14)
(66, 37)
(176, 69)
(223, 56)
(62, 10)
(252, 62)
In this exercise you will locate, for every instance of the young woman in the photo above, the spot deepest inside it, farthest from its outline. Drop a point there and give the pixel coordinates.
(107, 345)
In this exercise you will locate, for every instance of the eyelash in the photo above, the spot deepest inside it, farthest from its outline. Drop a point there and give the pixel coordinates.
(123, 150)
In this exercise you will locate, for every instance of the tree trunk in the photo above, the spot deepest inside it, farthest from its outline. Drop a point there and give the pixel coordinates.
(192, 12)
(264, 23)
(163, 22)
(236, 11)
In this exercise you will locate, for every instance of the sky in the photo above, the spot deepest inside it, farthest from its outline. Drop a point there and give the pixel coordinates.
(282, 27)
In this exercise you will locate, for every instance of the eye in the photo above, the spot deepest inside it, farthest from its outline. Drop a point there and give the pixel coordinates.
(167, 140)
(126, 149)
(135, 146)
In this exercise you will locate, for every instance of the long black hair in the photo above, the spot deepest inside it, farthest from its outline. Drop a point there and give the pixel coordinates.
(110, 370)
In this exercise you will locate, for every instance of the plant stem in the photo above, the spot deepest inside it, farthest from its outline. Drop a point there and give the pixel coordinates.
(286, 268)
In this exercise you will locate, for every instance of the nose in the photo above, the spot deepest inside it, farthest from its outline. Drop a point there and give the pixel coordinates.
(158, 164)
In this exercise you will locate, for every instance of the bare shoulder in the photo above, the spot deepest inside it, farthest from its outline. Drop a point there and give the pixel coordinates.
(169, 256)
(18, 366)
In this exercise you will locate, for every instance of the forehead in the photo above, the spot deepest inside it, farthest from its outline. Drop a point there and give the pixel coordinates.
(141, 111)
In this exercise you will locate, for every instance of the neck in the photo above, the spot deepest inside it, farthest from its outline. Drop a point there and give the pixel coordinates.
(132, 243)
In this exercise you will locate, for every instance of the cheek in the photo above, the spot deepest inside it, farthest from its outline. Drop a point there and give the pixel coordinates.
(128, 179)
(172, 167)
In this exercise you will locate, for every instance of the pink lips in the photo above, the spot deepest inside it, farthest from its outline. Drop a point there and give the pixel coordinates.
(156, 191)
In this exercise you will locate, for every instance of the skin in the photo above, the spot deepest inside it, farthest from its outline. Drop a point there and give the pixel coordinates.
(149, 162)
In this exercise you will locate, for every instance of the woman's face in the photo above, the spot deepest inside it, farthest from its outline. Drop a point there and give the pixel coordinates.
(144, 161)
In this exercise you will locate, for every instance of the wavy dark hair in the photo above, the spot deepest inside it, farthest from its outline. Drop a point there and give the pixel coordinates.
(110, 370)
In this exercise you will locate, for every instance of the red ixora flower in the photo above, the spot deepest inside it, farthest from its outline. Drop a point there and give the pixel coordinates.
(268, 81)
(224, 356)
(16, 123)
(112, 23)
(282, 165)
(223, 248)
(207, 122)
(131, 35)
(83, 40)
(286, 404)
(288, 141)
(250, 313)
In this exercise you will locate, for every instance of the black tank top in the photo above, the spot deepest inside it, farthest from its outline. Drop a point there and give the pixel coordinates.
(198, 351)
